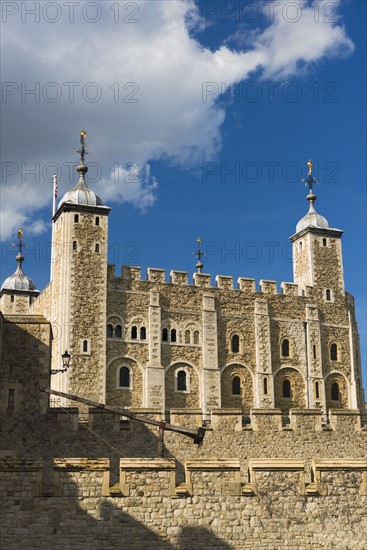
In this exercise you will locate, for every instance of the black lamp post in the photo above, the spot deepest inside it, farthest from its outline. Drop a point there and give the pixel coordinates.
(65, 363)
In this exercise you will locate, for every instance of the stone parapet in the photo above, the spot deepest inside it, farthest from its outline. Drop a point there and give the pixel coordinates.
(179, 277)
(224, 281)
(246, 285)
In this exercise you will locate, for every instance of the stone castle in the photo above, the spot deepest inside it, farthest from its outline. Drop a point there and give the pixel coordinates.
(275, 377)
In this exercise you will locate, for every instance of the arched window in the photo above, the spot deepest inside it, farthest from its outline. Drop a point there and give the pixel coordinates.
(143, 333)
(235, 343)
(334, 352)
(118, 331)
(173, 335)
(286, 388)
(74, 245)
(97, 220)
(97, 248)
(12, 298)
(328, 295)
(181, 381)
(76, 218)
(265, 386)
(236, 385)
(124, 377)
(85, 346)
(109, 331)
(317, 390)
(324, 242)
(187, 336)
(285, 348)
(134, 333)
(164, 335)
(335, 391)
(196, 337)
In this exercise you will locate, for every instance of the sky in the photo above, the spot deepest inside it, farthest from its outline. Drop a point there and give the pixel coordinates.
(200, 119)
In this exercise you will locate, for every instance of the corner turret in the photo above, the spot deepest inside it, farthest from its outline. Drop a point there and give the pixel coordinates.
(17, 291)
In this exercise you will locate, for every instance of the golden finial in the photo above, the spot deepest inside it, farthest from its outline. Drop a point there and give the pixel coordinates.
(83, 150)
(20, 233)
(310, 166)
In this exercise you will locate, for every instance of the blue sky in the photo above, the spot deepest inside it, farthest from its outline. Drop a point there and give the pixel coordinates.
(173, 157)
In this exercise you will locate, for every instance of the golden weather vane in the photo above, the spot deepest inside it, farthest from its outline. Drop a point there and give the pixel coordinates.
(83, 150)
(310, 180)
(310, 167)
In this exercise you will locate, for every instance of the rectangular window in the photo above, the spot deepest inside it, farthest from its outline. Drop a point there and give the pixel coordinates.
(11, 399)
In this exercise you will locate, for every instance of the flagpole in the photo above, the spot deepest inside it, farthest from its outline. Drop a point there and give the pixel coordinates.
(54, 197)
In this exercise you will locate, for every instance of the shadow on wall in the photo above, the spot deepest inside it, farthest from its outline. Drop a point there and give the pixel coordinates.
(59, 523)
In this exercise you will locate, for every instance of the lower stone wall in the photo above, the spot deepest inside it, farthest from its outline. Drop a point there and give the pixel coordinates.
(275, 506)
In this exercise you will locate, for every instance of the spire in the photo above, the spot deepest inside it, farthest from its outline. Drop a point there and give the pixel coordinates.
(20, 257)
(312, 218)
(199, 254)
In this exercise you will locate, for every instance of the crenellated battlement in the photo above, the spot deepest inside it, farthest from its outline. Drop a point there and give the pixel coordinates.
(203, 477)
(132, 275)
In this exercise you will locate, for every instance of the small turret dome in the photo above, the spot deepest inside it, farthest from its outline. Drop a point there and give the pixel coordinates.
(81, 194)
(19, 281)
(312, 219)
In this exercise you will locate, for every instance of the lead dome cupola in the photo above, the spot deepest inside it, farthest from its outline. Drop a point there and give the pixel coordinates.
(19, 280)
(312, 218)
(81, 194)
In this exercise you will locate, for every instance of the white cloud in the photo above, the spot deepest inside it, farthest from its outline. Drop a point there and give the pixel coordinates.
(130, 183)
(168, 66)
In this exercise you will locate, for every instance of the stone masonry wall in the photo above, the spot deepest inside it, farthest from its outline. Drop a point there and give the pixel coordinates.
(310, 324)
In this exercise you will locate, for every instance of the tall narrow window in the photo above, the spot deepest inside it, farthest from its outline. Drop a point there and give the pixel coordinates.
(76, 218)
(314, 351)
(334, 352)
(85, 346)
(74, 245)
(265, 386)
(324, 242)
(196, 337)
(109, 331)
(164, 335)
(286, 388)
(187, 336)
(328, 295)
(118, 331)
(285, 347)
(235, 343)
(143, 333)
(97, 220)
(173, 335)
(97, 248)
(11, 399)
(317, 390)
(134, 333)
(12, 298)
(335, 392)
(236, 385)
(124, 377)
(181, 381)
